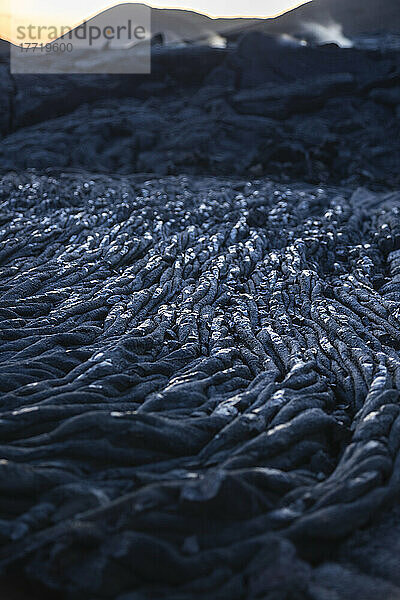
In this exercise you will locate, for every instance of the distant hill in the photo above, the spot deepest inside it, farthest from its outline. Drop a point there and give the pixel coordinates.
(354, 16)
(170, 25)
(193, 26)
(128, 53)
(173, 25)
(4, 48)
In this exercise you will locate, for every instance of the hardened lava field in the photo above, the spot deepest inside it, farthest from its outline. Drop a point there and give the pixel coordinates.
(200, 388)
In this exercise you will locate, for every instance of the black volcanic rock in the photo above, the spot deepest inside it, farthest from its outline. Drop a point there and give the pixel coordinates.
(7, 97)
(42, 97)
(199, 383)
(263, 59)
(389, 97)
(281, 101)
(257, 109)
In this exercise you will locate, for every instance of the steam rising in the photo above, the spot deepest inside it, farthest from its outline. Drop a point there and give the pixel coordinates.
(329, 33)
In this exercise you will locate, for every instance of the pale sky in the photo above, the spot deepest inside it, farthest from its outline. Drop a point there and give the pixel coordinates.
(73, 12)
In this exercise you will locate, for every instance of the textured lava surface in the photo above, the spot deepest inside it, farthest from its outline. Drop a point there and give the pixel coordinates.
(256, 109)
(200, 388)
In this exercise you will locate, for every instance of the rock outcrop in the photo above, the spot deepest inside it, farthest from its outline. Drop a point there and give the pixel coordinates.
(314, 114)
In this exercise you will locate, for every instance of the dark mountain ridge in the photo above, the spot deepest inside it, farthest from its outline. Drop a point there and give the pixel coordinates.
(355, 17)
